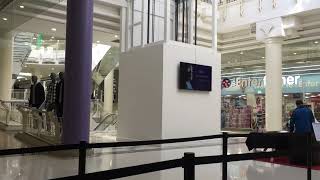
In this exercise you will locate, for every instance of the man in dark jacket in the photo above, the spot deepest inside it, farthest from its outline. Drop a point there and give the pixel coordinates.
(301, 119)
(37, 94)
(60, 96)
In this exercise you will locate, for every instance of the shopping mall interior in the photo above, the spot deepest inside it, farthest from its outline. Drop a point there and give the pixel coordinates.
(104, 72)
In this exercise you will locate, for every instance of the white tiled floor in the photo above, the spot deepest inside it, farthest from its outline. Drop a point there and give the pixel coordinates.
(40, 167)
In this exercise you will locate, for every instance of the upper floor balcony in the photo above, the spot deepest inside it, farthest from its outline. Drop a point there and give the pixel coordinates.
(238, 13)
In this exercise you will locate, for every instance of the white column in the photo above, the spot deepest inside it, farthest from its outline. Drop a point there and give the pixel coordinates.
(6, 45)
(273, 84)
(190, 21)
(123, 29)
(215, 25)
(108, 93)
(167, 22)
(144, 22)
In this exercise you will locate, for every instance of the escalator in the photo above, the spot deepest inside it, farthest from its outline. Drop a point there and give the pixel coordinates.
(108, 121)
(21, 51)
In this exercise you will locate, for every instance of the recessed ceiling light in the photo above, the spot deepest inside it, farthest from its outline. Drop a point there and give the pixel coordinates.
(316, 42)
(241, 52)
(21, 7)
(53, 29)
(52, 37)
(300, 62)
(52, 69)
(5, 19)
(295, 53)
(286, 95)
(34, 38)
(263, 57)
(98, 41)
(116, 36)
(238, 68)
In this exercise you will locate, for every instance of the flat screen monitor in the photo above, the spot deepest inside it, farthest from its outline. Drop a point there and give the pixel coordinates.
(195, 77)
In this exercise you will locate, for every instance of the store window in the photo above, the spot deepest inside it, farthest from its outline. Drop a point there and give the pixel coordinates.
(243, 85)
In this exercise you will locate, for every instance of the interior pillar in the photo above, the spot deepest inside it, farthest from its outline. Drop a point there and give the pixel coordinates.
(78, 71)
(108, 93)
(6, 45)
(273, 84)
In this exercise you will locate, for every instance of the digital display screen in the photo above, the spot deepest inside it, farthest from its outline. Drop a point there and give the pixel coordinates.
(195, 77)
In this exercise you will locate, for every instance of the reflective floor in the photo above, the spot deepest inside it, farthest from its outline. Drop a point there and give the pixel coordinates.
(45, 166)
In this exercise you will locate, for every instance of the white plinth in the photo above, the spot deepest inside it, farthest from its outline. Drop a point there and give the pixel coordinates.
(150, 104)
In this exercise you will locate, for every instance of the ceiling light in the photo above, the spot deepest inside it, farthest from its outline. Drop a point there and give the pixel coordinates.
(238, 68)
(116, 36)
(21, 7)
(316, 42)
(98, 41)
(262, 57)
(241, 52)
(286, 95)
(52, 69)
(34, 38)
(52, 37)
(295, 53)
(308, 93)
(5, 19)
(53, 29)
(300, 62)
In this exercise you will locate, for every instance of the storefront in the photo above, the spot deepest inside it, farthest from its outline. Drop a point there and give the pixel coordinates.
(243, 100)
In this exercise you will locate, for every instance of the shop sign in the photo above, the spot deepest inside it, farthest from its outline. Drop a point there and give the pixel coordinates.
(290, 83)
(261, 82)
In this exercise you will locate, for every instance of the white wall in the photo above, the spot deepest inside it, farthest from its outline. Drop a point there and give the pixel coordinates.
(150, 104)
(251, 13)
(189, 113)
(140, 93)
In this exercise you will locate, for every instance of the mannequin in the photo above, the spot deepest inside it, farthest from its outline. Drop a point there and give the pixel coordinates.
(51, 93)
(37, 95)
(60, 96)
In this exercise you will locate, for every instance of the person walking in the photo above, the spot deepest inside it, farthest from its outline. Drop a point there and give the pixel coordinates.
(301, 119)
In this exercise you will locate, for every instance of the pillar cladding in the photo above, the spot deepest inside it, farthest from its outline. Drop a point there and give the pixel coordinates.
(274, 84)
(6, 45)
(108, 93)
(78, 71)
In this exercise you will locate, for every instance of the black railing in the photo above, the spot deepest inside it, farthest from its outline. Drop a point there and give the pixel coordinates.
(188, 162)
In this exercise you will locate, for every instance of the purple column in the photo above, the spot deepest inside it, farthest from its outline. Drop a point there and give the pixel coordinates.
(77, 90)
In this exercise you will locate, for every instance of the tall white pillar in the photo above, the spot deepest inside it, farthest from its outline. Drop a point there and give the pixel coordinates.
(167, 21)
(108, 93)
(6, 45)
(273, 84)
(214, 25)
(123, 29)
